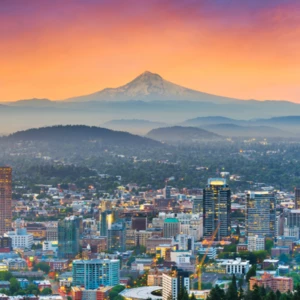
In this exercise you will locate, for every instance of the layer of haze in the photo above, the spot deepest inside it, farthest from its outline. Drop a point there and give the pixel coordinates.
(58, 49)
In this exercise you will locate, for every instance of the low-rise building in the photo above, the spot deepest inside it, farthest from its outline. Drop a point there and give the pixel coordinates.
(280, 283)
(211, 252)
(234, 266)
(20, 238)
(101, 293)
(16, 264)
(155, 241)
(276, 251)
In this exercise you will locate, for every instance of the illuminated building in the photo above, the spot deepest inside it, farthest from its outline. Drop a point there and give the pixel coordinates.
(155, 241)
(68, 237)
(96, 272)
(260, 214)
(116, 237)
(105, 220)
(198, 204)
(164, 251)
(5, 199)
(216, 208)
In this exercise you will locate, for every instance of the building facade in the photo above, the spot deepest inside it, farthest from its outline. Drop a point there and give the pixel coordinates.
(278, 283)
(216, 208)
(20, 238)
(68, 237)
(260, 214)
(5, 199)
(256, 243)
(96, 272)
(116, 237)
(171, 227)
(174, 282)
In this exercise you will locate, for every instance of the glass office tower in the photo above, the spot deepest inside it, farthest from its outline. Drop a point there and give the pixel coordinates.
(216, 208)
(260, 214)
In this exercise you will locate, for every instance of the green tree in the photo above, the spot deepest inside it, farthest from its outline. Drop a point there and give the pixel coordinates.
(193, 297)
(14, 285)
(271, 296)
(284, 258)
(232, 293)
(5, 276)
(251, 272)
(216, 293)
(241, 293)
(42, 266)
(46, 291)
(238, 231)
(130, 261)
(183, 294)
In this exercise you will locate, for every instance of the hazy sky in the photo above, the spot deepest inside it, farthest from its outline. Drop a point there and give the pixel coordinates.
(62, 48)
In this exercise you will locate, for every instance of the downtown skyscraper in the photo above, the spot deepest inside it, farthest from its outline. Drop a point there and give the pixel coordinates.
(69, 230)
(5, 199)
(260, 214)
(216, 208)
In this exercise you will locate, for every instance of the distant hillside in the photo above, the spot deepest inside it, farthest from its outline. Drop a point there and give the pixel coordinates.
(210, 120)
(135, 126)
(182, 134)
(80, 133)
(234, 130)
(33, 103)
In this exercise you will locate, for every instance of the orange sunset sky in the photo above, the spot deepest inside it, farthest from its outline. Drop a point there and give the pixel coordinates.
(248, 49)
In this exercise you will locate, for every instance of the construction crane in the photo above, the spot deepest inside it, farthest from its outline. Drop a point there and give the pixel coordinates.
(199, 265)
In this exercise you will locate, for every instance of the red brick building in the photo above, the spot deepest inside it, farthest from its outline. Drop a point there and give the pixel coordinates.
(280, 283)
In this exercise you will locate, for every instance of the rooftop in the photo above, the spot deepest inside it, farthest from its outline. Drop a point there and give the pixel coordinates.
(142, 293)
(171, 220)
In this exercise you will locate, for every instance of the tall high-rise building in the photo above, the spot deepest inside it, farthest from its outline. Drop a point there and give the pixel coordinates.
(216, 208)
(260, 214)
(5, 199)
(69, 231)
(91, 274)
(116, 237)
(167, 192)
(198, 204)
(105, 221)
(171, 227)
(297, 198)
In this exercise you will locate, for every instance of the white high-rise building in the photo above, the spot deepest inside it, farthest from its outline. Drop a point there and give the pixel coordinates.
(175, 281)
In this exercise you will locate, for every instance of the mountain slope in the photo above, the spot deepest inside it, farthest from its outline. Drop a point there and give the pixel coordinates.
(80, 133)
(182, 134)
(134, 126)
(234, 130)
(150, 87)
